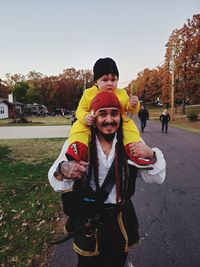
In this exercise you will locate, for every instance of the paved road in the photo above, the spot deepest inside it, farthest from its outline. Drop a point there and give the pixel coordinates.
(169, 214)
(23, 132)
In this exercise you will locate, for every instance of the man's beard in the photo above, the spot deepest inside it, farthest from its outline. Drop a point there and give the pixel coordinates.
(108, 137)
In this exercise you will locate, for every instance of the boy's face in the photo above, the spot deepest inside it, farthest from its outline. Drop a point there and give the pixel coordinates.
(107, 82)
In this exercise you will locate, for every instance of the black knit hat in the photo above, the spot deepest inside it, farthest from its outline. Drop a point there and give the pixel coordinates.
(104, 66)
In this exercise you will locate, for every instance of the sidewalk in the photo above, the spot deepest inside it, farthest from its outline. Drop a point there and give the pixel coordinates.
(23, 132)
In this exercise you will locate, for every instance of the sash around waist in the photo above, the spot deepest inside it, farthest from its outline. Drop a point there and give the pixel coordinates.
(106, 208)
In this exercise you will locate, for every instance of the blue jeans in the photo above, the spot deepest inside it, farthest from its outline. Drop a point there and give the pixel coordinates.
(143, 125)
(164, 127)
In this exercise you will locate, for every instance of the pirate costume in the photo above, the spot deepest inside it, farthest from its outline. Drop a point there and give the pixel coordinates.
(102, 216)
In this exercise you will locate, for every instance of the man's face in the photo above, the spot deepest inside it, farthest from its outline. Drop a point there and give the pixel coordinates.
(107, 82)
(108, 120)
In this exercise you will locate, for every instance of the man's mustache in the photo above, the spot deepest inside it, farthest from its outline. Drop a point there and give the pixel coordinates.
(105, 124)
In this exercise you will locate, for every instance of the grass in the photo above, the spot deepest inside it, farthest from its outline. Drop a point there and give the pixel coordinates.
(185, 124)
(29, 207)
(59, 120)
(155, 112)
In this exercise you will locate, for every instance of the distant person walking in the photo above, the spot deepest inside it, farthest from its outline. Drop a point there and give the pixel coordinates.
(165, 118)
(143, 116)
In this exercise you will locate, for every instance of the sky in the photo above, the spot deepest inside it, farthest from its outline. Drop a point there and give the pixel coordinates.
(49, 36)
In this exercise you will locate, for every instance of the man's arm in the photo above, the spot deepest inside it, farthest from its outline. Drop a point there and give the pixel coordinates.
(158, 173)
(62, 173)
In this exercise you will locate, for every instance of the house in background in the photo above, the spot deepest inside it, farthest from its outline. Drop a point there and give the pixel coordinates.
(17, 106)
(9, 109)
(5, 107)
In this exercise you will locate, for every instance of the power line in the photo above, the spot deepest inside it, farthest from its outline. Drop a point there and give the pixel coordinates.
(125, 82)
(189, 62)
(121, 83)
(155, 57)
(160, 64)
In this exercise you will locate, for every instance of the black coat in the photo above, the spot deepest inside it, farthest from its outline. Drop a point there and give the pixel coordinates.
(88, 245)
(143, 114)
(164, 118)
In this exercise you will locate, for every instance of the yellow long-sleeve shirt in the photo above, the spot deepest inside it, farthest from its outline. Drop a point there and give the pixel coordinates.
(80, 132)
(88, 95)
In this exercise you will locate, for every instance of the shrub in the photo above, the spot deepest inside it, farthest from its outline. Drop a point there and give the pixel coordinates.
(193, 116)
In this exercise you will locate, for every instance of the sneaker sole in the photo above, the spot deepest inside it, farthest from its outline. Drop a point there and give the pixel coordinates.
(148, 167)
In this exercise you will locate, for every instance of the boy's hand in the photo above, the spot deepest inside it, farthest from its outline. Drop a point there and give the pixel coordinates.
(133, 99)
(89, 119)
(140, 150)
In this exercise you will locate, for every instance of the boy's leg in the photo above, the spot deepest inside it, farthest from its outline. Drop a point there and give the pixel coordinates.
(142, 126)
(131, 134)
(78, 142)
(145, 122)
(162, 127)
(166, 127)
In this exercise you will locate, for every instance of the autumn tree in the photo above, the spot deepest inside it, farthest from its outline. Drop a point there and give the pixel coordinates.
(148, 84)
(3, 90)
(184, 43)
(34, 76)
(188, 59)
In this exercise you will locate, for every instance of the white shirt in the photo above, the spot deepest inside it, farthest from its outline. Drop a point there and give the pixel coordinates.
(156, 175)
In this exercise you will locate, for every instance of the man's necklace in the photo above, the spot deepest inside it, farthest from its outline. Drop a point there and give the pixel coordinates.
(106, 151)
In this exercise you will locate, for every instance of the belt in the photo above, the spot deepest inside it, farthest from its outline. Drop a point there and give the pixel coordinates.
(111, 209)
(107, 209)
(108, 206)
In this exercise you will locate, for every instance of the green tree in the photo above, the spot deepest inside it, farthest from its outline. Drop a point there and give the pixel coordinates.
(20, 90)
(32, 94)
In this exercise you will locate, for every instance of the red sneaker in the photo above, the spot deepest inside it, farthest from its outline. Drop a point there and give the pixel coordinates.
(141, 163)
(77, 151)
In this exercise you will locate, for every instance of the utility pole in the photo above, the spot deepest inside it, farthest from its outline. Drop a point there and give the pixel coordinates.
(84, 80)
(172, 84)
(84, 83)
